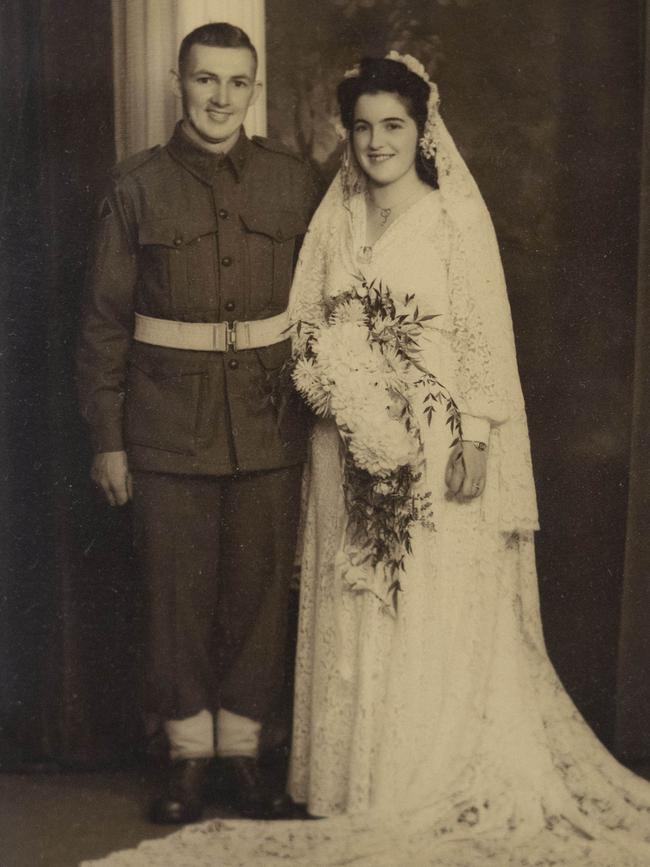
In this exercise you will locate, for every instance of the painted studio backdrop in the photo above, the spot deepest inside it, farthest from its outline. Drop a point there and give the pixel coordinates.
(546, 101)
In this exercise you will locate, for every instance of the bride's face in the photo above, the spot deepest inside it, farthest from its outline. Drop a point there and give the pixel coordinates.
(384, 138)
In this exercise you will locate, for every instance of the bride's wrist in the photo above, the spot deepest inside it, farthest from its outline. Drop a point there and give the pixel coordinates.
(478, 444)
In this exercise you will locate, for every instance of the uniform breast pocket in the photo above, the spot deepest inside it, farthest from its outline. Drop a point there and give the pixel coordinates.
(180, 257)
(271, 237)
(164, 406)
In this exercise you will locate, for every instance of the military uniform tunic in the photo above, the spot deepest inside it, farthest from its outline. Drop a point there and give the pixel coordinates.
(187, 235)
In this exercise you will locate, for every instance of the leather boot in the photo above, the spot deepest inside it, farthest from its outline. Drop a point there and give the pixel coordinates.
(185, 796)
(252, 793)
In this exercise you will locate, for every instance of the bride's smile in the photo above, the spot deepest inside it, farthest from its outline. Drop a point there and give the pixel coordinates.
(384, 138)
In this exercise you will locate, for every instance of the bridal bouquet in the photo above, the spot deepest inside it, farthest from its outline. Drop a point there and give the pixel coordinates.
(361, 367)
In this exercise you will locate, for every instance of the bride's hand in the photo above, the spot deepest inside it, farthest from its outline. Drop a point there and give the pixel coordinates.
(466, 468)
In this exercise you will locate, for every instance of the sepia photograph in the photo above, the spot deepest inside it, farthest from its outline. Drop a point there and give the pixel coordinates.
(325, 424)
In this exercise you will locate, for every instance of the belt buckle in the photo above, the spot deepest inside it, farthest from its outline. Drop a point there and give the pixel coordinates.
(231, 336)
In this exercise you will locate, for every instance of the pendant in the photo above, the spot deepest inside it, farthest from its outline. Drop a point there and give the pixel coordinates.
(384, 213)
(365, 254)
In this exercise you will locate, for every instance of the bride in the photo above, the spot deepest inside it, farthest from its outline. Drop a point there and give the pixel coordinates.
(435, 732)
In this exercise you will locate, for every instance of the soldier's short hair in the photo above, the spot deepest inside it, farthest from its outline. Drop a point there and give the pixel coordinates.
(220, 35)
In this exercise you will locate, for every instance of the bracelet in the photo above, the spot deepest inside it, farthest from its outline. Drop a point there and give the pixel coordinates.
(478, 445)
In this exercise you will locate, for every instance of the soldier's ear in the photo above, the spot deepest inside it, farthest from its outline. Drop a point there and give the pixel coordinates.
(176, 85)
(257, 90)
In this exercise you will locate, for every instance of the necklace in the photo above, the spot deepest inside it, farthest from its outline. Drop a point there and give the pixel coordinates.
(364, 253)
(386, 213)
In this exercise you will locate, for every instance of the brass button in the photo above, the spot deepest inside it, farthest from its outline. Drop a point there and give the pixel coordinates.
(230, 306)
(178, 242)
(223, 214)
(233, 364)
(226, 261)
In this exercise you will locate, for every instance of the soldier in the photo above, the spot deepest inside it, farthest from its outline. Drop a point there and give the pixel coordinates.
(183, 335)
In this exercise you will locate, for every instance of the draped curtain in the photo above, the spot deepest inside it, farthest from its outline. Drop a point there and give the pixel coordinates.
(67, 627)
(146, 36)
(633, 706)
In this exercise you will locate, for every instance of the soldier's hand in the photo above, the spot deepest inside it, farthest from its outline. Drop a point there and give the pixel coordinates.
(110, 471)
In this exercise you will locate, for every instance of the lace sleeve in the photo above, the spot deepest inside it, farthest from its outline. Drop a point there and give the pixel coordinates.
(487, 377)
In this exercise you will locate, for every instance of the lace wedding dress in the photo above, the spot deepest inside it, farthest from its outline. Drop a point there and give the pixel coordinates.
(439, 735)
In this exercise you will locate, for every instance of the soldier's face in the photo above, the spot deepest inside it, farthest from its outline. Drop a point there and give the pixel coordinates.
(217, 86)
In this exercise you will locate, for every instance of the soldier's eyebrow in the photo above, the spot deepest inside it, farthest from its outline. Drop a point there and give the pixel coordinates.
(205, 73)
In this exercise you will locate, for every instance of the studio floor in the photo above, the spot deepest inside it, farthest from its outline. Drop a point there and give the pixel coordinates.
(59, 820)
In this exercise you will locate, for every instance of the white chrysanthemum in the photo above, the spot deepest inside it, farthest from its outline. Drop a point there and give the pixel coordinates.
(309, 381)
(344, 347)
(350, 310)
(378, 442)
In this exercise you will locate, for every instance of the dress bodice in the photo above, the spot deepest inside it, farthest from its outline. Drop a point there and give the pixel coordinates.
(411, 256)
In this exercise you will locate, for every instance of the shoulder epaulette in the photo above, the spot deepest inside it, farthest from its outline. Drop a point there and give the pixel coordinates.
(128, 165)
(277, 147)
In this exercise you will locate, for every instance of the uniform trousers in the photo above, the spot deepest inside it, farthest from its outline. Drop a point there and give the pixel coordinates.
(217, 553)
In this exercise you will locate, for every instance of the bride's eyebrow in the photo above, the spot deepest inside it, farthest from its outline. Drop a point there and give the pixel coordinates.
(382, 120)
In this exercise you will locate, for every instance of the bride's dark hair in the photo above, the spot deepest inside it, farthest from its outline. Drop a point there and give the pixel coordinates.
(381, 75)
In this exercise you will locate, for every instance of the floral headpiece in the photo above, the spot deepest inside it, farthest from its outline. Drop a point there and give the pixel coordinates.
(427, 142)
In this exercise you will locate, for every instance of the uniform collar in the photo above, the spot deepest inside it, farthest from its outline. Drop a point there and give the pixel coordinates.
(204, 164)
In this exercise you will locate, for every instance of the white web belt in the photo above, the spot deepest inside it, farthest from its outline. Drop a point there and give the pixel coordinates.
(211, 336)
